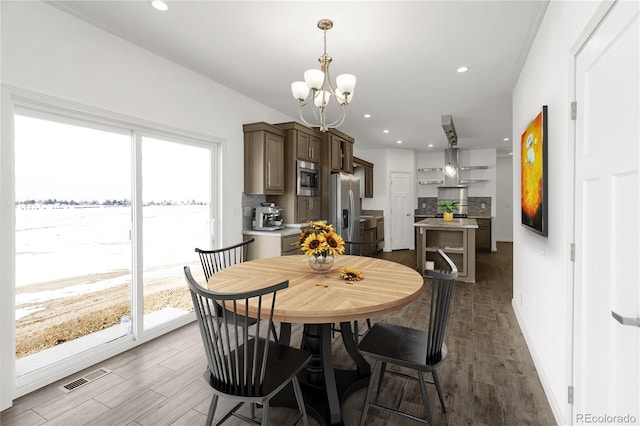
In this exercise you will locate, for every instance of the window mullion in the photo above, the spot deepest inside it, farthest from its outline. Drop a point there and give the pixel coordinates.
(137, 296)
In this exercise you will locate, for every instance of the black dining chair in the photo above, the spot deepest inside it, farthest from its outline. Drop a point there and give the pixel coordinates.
(213, 261)
(362, 248)
(419, 350)
(245, 367)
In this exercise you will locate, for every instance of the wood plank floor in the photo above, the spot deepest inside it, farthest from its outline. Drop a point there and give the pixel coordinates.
(488, 377)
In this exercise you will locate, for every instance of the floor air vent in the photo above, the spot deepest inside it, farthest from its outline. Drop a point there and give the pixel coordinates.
(87, 378)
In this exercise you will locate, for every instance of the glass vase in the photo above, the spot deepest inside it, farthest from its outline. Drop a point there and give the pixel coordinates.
(321, 264)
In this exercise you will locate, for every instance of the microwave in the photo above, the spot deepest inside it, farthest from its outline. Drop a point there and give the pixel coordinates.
(308, 178)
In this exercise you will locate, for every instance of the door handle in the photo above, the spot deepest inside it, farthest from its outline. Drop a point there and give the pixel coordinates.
(633, 322)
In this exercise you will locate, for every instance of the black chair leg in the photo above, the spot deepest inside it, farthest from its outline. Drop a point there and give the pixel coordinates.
(367, 398)
(298, 392)
(382, 371)
(425, 397)
(436, 381)
(212, 409)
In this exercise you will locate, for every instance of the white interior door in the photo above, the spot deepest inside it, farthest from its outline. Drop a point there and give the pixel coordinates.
(401, 217)
(606, 353)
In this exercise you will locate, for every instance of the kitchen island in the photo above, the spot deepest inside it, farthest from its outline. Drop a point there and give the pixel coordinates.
(457, 239)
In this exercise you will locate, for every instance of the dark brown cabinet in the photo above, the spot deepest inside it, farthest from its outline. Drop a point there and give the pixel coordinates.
(483, 234)
(366, 175)
(307, 146)
(340, 151)
(308, 209)
(263, 159)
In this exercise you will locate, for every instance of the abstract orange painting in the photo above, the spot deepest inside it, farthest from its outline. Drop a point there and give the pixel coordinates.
(533, 166)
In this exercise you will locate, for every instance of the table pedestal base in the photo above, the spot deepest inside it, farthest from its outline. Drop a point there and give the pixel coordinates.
(325, 388)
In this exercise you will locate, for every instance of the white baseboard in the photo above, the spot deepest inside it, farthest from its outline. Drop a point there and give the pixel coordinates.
(556, 406)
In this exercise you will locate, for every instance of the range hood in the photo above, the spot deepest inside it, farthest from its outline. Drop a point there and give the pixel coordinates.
(452, 190)
(451, 168)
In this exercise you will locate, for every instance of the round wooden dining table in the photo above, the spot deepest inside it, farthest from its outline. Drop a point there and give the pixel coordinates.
(319, 301)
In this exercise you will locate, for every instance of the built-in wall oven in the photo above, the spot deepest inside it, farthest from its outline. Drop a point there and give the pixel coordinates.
(308, 178)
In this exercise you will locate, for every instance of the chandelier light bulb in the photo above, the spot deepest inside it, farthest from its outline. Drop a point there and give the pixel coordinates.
(314, 79)
(322, 98)
(300, 90)
(346, 83)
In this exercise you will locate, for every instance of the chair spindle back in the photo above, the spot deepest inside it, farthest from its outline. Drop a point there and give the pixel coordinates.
(237, 360)
(443, 282)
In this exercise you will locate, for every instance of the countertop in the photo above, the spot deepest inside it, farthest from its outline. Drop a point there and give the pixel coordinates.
(288, 230)
(424, 216)
(438, 223)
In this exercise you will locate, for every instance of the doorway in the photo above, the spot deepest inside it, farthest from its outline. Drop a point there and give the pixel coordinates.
(401, 211)
(606, 353)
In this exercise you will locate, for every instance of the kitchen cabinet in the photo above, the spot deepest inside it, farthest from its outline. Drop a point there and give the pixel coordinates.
(364, 170)
(272, 244)
(308, 209)
(483, 234)
(456, 239)
(263, 159)
(340, 151)
(301, 141)
(380, 233)
(307, 147)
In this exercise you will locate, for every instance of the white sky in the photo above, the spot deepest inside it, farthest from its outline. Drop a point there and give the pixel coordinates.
(56, 160)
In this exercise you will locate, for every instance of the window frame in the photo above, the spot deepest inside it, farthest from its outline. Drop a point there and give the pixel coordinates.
(19, 101)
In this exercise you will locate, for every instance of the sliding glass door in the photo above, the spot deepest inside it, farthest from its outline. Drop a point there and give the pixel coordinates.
(176, 194)
(106, 216)
(72, 233)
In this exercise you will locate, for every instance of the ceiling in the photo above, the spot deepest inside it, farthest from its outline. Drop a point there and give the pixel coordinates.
(404, 55)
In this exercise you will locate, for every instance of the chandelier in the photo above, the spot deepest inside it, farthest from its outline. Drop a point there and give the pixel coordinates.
(318, 82)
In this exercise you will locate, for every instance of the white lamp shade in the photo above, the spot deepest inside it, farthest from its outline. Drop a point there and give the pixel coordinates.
(300, 90)
(341, 98)
(346, 83)
(322, 98)
(314, 78)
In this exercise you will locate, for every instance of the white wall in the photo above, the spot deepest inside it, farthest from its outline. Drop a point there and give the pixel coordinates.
(503, 224)
(542, 265)
(384, 162)
(47, 51)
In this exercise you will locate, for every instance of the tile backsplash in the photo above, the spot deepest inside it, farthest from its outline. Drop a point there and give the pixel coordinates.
(250, 202)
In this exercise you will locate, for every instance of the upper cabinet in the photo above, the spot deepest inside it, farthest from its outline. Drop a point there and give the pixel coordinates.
(263, 159)
(340, 151)
(366, 176)
(308, 146)
(304, 142)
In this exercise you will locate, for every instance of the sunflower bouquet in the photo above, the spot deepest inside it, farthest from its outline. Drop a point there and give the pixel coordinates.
(319, 239)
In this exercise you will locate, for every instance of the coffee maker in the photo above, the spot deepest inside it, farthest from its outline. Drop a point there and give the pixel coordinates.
(267, 217)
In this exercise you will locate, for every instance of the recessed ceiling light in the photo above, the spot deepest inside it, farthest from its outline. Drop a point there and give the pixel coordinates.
(385, 131)
(463, 69)
(511, 153)
(367, 116)
(430, 145)
(399, 142)
(160, 5)
(505, 139)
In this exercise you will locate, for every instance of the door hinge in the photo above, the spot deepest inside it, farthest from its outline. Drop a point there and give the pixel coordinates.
(574, 110)
(573, 252)
(570, 394)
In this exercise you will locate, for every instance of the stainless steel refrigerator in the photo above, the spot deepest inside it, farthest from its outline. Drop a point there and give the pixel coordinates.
(344, 205)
